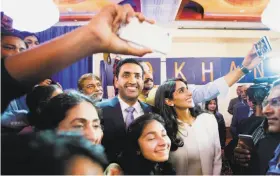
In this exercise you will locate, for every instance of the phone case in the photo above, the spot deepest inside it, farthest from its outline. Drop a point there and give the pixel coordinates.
(146, 35)
(263, 46)
(247, 140)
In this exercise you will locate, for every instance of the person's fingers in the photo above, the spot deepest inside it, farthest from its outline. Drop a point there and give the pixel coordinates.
(244, 164)
(241, 150)
(118, 19)
(142, 18)
(130, 13)
(243, 160)
(242, 145)
(122, 47)
(124, 13)
(137, 52)
(242, 156)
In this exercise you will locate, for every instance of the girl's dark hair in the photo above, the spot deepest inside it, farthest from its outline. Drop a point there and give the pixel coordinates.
(46, 153)
(133, 163)
(37, 99)
(55, 110)
(14, 33)
(208, 102)
(168, 113)
(135, 129)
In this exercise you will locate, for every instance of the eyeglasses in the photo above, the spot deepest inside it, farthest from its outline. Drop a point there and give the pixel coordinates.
(272, 102)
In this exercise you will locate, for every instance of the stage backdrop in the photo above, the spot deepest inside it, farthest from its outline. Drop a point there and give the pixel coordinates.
(203, 70)
(197, 71)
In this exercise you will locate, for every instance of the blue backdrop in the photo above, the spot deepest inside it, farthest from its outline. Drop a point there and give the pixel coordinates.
(68, 77)
(199, 71)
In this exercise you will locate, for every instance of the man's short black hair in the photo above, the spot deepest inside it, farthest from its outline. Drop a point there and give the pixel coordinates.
(128, 61)
(26, 34)
(14, 33)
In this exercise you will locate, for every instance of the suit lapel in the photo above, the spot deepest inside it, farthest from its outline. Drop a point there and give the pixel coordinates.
(146, 108)
(117, 114)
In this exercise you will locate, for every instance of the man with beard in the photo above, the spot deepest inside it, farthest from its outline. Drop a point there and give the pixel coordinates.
(90, 85)
(148, 86)
(241, 111)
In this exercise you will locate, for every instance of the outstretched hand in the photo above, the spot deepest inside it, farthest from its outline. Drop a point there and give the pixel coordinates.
(105, 25)
(252, 60)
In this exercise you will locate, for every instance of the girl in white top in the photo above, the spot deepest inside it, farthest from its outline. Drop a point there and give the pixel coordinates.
(195, 140)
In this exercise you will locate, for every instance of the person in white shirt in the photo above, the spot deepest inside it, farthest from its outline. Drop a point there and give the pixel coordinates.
(196, 148)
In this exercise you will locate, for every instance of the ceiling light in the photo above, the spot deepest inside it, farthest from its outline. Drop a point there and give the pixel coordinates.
(31, 15)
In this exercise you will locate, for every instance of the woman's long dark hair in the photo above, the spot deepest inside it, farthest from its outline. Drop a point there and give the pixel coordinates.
(133, 162)
(168, 113)
(55, 110)
(208, 102)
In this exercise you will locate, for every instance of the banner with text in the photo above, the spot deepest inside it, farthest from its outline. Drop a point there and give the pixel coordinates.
(202, 70)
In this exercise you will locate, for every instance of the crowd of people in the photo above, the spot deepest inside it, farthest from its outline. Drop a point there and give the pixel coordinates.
(145, 129)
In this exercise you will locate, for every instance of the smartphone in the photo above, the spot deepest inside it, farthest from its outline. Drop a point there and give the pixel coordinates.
(263, 46)
(247, 140)
(146, 35)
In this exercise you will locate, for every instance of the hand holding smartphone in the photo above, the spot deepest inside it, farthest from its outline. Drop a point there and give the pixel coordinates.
(263, 46)
(146, 35)
(246, 140)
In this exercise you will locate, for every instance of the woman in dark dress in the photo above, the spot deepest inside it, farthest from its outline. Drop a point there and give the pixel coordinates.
(212, 107)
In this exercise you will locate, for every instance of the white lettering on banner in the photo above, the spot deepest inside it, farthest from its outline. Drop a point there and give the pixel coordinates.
(207, 71)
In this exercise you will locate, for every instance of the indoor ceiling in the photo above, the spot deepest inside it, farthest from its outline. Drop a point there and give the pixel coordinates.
(166, 11)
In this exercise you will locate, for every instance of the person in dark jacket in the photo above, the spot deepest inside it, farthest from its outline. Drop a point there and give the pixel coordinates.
(256, 161)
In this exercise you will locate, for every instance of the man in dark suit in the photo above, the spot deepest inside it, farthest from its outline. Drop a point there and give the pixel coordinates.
(234, 101)
(117, 112)
(241, 111)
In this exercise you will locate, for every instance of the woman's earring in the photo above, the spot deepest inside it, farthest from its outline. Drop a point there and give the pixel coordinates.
(138, 152)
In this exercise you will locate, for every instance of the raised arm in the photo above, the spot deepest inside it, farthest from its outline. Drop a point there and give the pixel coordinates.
(99, 35)
(221, 85)
(250, 62)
